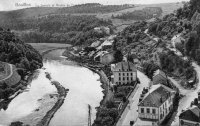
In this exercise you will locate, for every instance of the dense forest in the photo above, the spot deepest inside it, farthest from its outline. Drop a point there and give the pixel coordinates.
(185, 22)
(144, 14)
(14, 51)
(75, 30)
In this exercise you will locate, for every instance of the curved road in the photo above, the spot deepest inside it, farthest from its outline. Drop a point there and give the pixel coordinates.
(189, 96)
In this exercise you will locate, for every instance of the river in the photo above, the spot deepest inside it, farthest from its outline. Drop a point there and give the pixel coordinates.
(84, 88)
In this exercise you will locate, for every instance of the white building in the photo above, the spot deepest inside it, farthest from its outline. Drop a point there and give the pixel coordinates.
(102, 29)
(124, 73)
(157, 103)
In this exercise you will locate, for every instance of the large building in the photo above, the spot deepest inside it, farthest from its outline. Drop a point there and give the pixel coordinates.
(123, 73)
(8, 74)
(190, 117)
(157, 103)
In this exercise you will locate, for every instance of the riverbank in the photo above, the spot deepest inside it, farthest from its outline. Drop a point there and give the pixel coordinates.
(62, 93)
(20, 88)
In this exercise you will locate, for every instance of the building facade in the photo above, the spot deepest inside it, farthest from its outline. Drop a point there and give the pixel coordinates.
(123, 73)
(157, 103)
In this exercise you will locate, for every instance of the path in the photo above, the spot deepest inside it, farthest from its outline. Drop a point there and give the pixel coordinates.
(130, 113)
(11, 72)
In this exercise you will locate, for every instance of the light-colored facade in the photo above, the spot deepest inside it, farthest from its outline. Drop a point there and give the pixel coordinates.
(157, 103)
(124, 73)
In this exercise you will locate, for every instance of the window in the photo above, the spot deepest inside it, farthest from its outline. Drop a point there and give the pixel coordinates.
(123, 74)
(127, 74)
(123, 78)
(127, 78)
(119, 78)
(131, 74)
(160, 116)
(119, 74)
(131, 78)
(119, 83)
(142, 110)
(148, 110)
(154, 111)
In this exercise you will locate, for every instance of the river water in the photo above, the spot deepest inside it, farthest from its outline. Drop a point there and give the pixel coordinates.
(84, 88)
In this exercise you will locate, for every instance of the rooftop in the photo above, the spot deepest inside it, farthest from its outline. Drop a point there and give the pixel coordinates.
(156, 96)
(159, 73)
(124, 66)
(192, 114)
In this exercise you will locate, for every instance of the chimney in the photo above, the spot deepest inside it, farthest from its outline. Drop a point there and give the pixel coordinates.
(161, 100)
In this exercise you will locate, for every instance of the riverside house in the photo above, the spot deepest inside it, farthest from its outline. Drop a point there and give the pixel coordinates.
(156, 104)
(123, 73)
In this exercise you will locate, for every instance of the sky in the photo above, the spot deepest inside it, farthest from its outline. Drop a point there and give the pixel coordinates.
(6, 5)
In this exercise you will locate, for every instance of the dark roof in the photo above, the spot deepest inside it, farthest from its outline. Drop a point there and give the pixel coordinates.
(124, 66)
(192, 114)
(157, 95)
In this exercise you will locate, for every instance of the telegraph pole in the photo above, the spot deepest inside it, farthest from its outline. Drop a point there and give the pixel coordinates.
(89, 115)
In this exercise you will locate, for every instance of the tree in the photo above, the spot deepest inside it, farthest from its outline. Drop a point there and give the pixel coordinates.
(18, 123)
(118, 56)
(196, 101)
(124, 99)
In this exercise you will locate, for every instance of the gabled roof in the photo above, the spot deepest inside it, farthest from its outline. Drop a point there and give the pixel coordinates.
(159, 77)
(192, 114)
(159, 73)
(156, 96)
(124, 66)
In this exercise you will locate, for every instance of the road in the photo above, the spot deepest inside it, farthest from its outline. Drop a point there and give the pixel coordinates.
(130, 113)
(190, 95)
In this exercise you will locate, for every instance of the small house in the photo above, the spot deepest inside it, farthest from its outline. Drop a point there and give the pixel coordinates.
(190, 117)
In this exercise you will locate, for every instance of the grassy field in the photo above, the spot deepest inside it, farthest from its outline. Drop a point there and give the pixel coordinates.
(167, 8)
(42, 47)
(121, 24)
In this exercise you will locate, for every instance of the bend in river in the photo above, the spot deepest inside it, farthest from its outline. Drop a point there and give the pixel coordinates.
(84, 88)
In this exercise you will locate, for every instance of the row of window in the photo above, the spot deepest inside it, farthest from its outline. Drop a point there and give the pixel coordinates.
(148, 110)
(164, 106)
(166, 111)
(125, 78)
(126, 74)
